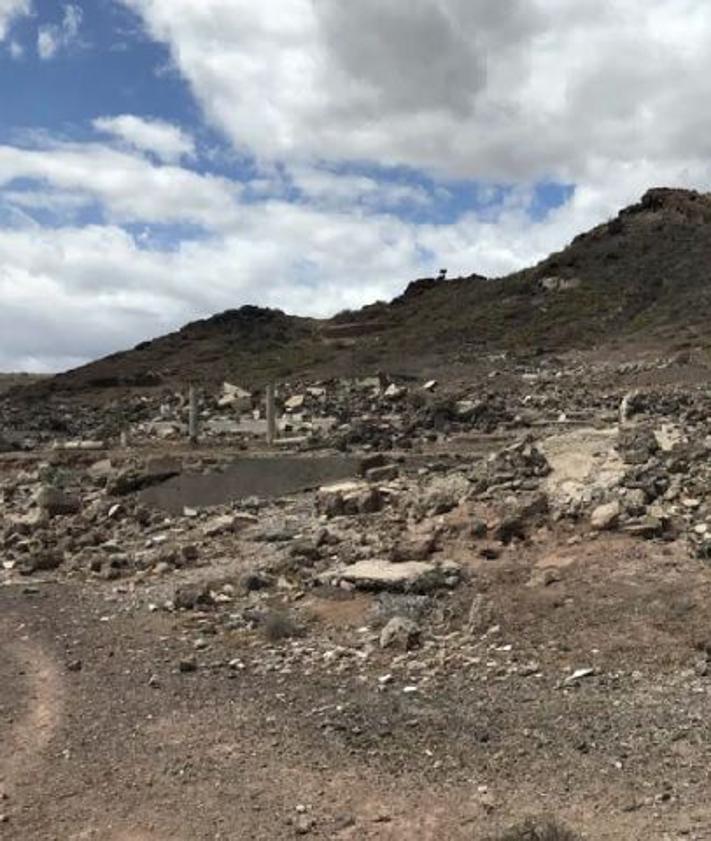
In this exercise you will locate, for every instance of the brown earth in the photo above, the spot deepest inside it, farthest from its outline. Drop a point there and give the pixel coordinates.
(103, 737)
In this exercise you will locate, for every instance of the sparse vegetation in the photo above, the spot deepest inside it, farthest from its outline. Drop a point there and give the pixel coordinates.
(278, 625)
(545, 829)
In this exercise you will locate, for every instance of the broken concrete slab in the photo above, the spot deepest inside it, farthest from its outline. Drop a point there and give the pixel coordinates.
(584, 466)
(412, 576)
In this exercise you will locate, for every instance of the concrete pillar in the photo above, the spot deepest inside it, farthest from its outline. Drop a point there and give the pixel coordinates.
(193, 421)
(271, 415)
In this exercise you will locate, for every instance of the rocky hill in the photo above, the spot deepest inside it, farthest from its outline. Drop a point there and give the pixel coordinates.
(644, 275)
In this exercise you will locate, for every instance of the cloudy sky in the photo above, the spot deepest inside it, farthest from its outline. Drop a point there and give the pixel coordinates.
(161, 160)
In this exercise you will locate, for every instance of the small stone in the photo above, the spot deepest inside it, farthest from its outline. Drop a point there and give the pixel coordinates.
(579, 674)
(74, 666)
(304, 824)
(162, 568)
(190, 552)
(343, 822)
(187, 665)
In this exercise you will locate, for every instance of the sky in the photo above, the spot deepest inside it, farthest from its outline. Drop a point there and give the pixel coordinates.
(163, 160)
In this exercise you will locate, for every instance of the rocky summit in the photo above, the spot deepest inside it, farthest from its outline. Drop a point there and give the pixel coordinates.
(458, 548)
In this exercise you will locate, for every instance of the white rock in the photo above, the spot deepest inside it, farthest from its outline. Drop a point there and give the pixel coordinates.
(605, 517)
(384, 575)
(294, 403)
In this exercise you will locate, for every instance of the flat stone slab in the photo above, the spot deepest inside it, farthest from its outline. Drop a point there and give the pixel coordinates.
(584, 465)
(385, 575)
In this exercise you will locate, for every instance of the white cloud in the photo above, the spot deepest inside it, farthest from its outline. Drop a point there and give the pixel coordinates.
(51, 38)
(607, 95)
(518, 91)
(17, 51)
(333, 189)
(9, 11)
(74, 293)
(79, 293)
(166, 141)
(47, 42)
(128, 187)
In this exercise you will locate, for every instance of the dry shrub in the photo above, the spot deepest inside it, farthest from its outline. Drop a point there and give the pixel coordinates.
(278, 625)
(545, 829)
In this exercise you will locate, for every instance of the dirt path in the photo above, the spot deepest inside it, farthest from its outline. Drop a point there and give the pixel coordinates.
(126, 748)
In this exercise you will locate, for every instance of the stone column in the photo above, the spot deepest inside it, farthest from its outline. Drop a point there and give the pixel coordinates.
(193, 420)
(271, 415)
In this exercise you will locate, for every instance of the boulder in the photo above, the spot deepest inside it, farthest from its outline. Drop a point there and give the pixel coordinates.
(348, 498)
(413, 547)
(191, 596)
(443, 493)
(520, 518)
(400, 632)
(236, 398)
(7, 446)
(55, 502)
(646, 527)
(228, 523)
(41, 561)
(605, 517)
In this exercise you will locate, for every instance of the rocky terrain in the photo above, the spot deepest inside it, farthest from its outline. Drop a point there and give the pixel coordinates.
(451, 601)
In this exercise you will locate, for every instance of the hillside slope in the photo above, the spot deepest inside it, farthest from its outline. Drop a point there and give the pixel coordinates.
(644, 275)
